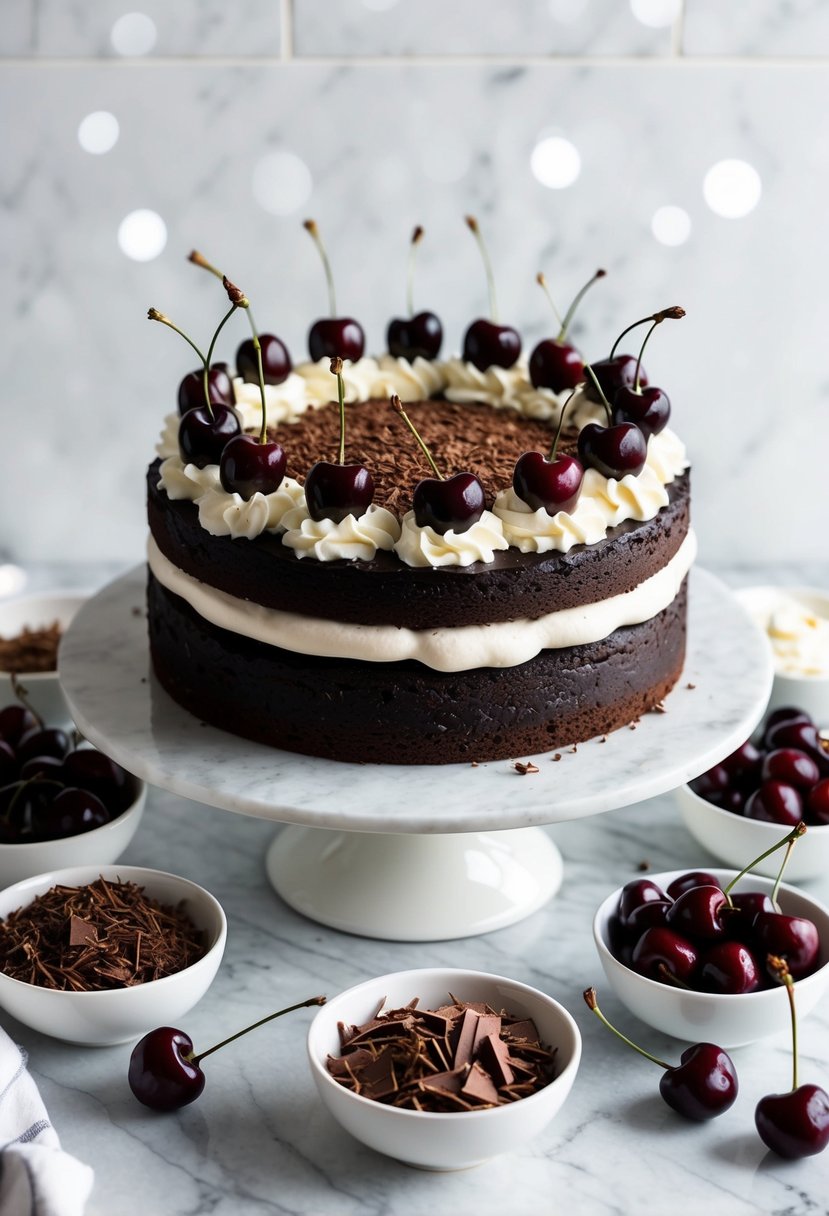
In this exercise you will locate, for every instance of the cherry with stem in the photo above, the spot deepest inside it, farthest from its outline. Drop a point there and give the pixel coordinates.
(554, 363)
(334, 491)
(486, 343)
(416, 335)
(332, 337)
(649, 407)
(547, 483)
(444, 504)
(615, 450)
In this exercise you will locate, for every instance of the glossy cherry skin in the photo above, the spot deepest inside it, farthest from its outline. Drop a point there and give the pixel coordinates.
(786, 713)
(703, 1085)
(614, 450)
(651, 915)
(556, 365)
(745, 905)
(334, 491)
(70, 812)
(619, 941)
(687, 882)
(548, 485)
(817, 804)
(650, 409)
(712, 784)
(791, 765)
(793, 938)
(46, 766)
(219, 387)
(247, 467)
(635, 893)
(660, 947)
(276, 362)
(729, 967)
(92, 770)
(15, 722)
(775, 802)
(795, 1124)
(802, 735)
(159, 1074)
(613, 374)
(16, 807)
(417, 337)
(451, 505)
(201, 438)
(336, 337)
(486, 344)
(696, 914)
(744, 764)
(43, 741)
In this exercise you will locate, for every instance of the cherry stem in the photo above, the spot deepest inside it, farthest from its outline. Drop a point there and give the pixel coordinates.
(417, 237)
(198, 259)
(592, 375)
(210, 349)
(542, 283)
(560, 427)
(337, 370)
(397, 406)
(472, 225)
(674, 313)
(310, 226)
(592, 1003)
(668, 977)
(197, 1059)
(779, 969)
(577, 299)
(790, 837)
(784, 863)
(21, 694)
(635, 325)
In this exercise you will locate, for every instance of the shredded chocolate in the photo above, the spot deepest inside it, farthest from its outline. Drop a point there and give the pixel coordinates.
(523, 767)
(104, 935)
(31, 649)
(462, 1056)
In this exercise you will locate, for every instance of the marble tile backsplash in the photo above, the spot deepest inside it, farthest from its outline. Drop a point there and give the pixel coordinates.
(591, 139)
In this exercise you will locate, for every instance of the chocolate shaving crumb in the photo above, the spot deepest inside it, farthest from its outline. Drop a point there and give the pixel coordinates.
(658, 708)
(460, 1057)
(31, 649)
(524, 768)
(691, 687)
(644, 866)
(104, 935)
(557, 756)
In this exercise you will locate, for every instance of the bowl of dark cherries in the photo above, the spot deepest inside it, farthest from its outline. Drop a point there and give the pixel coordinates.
(687, 952)
(739, 808)
(60, 804)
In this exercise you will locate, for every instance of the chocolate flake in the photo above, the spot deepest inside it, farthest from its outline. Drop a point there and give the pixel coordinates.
(557, 756)
(31, 649)
(523, 768)
(690, 687)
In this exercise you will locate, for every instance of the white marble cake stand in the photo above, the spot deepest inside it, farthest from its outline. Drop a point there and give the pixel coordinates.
(418, 853)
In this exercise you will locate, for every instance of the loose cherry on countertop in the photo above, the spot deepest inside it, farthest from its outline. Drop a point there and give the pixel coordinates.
(335, 491)
(648, 407)
(486, 343)
(165, 1072)
(794, 1124)
(555, 363)
(548, 483)
(332, 337)
(444, 504)
(703, 1084)
(419, 335)
(616, 449)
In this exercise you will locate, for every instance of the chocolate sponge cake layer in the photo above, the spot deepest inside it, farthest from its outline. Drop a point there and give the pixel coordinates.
(405, 713)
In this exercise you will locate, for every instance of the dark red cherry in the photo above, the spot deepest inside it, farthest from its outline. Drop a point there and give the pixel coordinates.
(743, 765)
(201, 439)
(793, 938)
(486, 344)
(160, 1074)
(556, 365)
(417, 337)
(687, 882)
(817, 804)
(8, 763)
(696, 914)
(651, 915)
(703, 1085)
(619, 941)
(276, 362)
(794, 1124)
(453, 504)
(613, 374)
(745, 905)
(70, 812)
(247, 467)
(729, 967)
(334, 491)
(92, 770)
(775, 802)
(15, 722)
(734, 799)
(47, 766)
(712, 784)
(786, 713)
(219, 387)
(662, 947)
(650, 409)
(43, 741)
(635, 893)
(792, 766)
(16, 804)
(336, 337)
(549, 485)
(614, 450)
(802, 735)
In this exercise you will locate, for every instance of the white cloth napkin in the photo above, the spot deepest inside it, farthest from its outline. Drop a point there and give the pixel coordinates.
(37, 1178)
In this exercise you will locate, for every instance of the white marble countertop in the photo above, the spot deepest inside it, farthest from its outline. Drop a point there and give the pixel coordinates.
(259, 1141)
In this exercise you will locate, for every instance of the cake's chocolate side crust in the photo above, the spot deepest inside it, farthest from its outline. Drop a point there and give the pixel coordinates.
(384, 591)
(404, 713)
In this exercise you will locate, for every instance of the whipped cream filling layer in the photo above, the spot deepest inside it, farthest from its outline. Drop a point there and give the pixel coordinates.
(506, 644)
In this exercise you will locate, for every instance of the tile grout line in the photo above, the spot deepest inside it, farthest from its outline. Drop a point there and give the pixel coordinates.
(414, 61)
(286, 21)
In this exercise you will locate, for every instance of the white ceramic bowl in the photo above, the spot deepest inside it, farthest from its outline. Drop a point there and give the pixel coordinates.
(120, 1014)
(444, 1141)
(724, 1019)
(810, 693)
(43, 687)
(736, 840)
(99, 847)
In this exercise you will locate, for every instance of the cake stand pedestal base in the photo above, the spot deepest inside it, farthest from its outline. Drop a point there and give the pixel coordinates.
(407, 888)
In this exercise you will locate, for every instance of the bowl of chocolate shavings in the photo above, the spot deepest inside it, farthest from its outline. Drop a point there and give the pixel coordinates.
(99, 955)
(31, 628)
(443, 1068)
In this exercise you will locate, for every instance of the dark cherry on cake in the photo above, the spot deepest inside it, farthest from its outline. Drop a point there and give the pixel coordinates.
(550, 483)
(333, 337)
(703, 1084)
(419, 335)
(616, 371)
(614, 450)
(219, 388)
(555, 363)
(445, 504)
(334, 491)
(486, 343)
(649, 406)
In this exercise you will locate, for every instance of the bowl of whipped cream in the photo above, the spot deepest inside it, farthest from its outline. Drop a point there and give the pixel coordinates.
(796, 622)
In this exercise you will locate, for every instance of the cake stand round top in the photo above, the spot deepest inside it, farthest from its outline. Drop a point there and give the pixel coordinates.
(116, 702)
